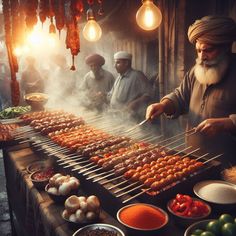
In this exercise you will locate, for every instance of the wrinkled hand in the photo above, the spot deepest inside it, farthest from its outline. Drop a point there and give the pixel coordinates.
(154, 110)
(214, 126)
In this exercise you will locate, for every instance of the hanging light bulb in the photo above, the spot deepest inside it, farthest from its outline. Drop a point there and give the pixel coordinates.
(148, 16)
(92, 31)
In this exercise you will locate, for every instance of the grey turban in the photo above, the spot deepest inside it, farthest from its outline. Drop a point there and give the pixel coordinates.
(213, 30)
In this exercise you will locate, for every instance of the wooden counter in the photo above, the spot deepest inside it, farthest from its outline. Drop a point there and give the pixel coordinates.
(34, 213)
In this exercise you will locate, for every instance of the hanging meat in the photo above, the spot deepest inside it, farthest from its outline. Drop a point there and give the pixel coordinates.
(31, 7)
(72, 41)
(43, 10)
(72, 35)
(59, 15)
(15, 91)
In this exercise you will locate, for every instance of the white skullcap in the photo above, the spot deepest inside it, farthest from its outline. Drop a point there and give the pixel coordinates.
(122, 55)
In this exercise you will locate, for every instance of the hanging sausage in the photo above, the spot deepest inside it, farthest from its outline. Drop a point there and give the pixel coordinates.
(31, 7)
(59, 15)
(15, 90)
(43, 10)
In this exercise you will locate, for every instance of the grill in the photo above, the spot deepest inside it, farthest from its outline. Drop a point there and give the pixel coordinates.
(123, 166)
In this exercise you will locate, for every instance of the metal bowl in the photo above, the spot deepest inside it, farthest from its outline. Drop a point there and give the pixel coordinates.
(185, 220)
(36, 100)
(136, 230)
(106, 228)
(37, 165)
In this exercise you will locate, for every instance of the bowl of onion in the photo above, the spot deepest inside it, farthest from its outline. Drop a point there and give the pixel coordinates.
(41, 178)
(81, 210)
(60, 187)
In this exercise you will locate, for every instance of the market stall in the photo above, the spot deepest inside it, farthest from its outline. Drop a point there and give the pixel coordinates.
(32, 209)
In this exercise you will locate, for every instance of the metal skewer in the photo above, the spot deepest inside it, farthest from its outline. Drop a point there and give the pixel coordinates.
(131, 190)
(128, 186)
(136, 126)
(110, 180)
(136, 195)
(215, 157)
(97, 175)
(116, 185)
(91, 168)
(104, 177)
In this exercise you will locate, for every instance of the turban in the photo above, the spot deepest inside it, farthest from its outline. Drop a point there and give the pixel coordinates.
(96, 59)
(213, 30)
(122, 55)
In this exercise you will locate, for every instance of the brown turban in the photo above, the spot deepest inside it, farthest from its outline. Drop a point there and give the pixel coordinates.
(96, 59)
(213, 30)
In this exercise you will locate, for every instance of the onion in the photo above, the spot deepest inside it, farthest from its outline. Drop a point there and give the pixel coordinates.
(84, 206)
(73, 183)
(82, 198)
(72, 204)
(53, 190)
(90, 215)
(64, 189)
(93, 203)
(80, 216)
(65, 214)
(73, 218)
(60, 180)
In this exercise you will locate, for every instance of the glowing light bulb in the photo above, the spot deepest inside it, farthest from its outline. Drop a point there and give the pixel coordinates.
(148, 16)
(91, 31)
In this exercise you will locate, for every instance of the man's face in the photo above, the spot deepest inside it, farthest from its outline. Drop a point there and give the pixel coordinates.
(207, 53)
(94, 68)
(121, 65)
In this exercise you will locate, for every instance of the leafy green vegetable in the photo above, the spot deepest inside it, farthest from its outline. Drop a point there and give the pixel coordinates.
(12, 112)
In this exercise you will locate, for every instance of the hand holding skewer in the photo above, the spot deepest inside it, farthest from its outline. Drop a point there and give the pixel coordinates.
(214, 126)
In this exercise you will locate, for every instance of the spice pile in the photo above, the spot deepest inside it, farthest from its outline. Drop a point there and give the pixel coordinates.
(100, 232)
(142, 216)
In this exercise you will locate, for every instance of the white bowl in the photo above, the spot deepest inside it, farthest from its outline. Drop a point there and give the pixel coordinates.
(216, 191)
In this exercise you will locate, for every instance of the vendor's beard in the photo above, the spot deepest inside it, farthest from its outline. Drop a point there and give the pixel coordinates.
(211, 72)
(96, 74)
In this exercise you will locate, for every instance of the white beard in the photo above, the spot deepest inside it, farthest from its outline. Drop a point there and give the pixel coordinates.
(211, 72)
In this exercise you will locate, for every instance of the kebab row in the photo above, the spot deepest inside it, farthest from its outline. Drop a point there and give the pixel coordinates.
(102, 156)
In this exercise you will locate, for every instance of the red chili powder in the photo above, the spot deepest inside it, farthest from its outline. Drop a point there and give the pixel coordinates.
(142, 216)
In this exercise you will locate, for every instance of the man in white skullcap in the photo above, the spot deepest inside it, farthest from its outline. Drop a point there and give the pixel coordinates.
(131, 90)
(208, 91)
(96, 83)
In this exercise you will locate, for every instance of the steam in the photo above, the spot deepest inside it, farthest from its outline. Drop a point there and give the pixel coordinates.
(61, 84)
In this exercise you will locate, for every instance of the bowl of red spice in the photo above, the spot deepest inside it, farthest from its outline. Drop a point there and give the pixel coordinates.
(142, 219)
(186, 210)
(40, 178)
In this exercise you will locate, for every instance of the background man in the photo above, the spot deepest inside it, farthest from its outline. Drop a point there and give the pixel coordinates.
(131, 91)
(96, 83)
(207, 92)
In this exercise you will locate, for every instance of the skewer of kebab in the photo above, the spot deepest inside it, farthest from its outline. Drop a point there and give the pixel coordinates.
(149, 189)
(104, 151)
(182, 168)
(134, 164)
(172, 161)
(100, 145)
(125, 181)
